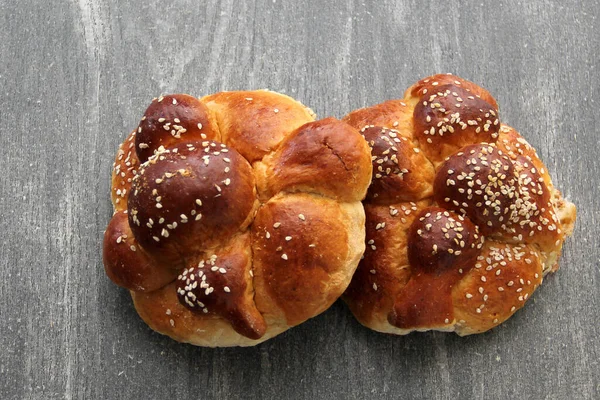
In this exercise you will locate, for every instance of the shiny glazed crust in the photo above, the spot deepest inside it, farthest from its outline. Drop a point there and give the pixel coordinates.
(462, 219)
(237, 216)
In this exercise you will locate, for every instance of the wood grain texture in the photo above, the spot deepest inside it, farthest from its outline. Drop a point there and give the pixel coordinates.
(75, 77)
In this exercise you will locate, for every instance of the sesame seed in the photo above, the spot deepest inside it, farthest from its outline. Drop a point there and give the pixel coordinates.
(288, 238)
(284, 256)
(226, 289)
(301, 216)
(276, 225)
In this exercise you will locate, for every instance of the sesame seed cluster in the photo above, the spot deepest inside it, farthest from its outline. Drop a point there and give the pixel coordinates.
(223, 227)
(462, 218)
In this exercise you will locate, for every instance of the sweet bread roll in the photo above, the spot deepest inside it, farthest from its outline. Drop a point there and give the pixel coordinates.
(462, 219)
(237, 216)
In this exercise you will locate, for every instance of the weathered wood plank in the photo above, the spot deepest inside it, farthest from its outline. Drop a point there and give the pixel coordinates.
(75, 77)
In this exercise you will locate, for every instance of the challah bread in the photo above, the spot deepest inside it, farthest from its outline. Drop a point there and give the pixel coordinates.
(237, 216)
(462, 219)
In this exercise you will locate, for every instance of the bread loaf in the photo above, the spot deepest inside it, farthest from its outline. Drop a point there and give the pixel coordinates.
(462, 219)
(237, 216)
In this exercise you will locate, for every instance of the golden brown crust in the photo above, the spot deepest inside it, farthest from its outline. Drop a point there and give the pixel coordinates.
(392, 114)
(503, 278)
(384, 269)
(485, 173)
(448, 117)
(185, 240)
(506, 196)
(317, 149)
(255, 122)
(126, 262)
(442, 246)
(124, 170)
(171, 119)
(190, 197)
(301, 249)
(481, 182)
(432, 83)
(400, 171)
(221, 284)
(164, 313)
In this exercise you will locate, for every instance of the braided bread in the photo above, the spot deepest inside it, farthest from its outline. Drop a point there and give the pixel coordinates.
(225, 230)
(462, 219)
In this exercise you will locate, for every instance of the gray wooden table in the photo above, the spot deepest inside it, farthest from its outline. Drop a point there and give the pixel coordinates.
(75, 77)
